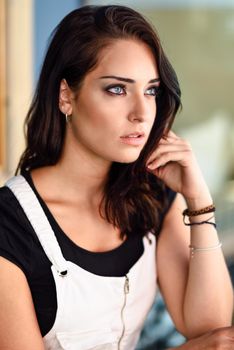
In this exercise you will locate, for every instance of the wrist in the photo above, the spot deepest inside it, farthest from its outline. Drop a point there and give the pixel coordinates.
(199, 202)
(201, 215)
(210, 217)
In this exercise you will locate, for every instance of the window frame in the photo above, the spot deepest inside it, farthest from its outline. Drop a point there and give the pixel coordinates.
(2, 84)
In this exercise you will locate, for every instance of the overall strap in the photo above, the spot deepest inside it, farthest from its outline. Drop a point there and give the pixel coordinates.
(35, 214)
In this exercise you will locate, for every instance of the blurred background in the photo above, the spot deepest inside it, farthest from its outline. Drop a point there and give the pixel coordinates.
(198, 37)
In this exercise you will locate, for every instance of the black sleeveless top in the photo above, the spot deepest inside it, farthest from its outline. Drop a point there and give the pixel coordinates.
(20, 245)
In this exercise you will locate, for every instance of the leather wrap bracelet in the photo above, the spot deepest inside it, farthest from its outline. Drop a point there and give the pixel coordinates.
(206, 210)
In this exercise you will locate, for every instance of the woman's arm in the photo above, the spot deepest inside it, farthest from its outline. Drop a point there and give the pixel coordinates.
(19, 329)
(198, 290)
(219, 339)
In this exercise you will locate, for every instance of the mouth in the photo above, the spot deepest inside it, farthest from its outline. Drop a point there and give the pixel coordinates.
(135, 138)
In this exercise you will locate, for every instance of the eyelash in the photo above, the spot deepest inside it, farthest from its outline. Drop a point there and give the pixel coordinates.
(123, 87)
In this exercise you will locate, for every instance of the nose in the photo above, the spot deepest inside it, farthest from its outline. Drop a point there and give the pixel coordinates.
(140, 109)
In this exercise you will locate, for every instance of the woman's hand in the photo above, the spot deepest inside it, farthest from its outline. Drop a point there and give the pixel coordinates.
(175, 164)
(219, 339)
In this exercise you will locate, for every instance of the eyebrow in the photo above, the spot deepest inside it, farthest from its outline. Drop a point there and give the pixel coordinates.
(128, 80)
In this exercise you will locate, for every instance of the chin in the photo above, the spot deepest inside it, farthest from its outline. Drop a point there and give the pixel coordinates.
(128, 158)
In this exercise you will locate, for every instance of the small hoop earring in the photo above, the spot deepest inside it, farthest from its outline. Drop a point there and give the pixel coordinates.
(68, 118)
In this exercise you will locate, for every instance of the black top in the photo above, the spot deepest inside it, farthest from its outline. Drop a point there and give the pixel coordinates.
(20, 245)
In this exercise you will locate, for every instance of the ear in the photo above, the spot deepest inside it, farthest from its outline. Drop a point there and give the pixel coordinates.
(65, 98)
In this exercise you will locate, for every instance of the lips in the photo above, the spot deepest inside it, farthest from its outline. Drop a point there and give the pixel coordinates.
(134, 135)
(134, 138)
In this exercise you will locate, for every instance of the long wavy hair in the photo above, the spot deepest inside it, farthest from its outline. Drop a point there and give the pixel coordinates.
(133, 198)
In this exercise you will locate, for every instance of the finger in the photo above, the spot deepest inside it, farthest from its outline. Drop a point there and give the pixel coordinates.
(170, 139)
(176, 142)
(166, 148)
(167, 141)
(171, 134)
(172, 146)
(182, 157)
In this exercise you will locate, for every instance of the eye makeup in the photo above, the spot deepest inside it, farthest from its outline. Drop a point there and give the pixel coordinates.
(120, 89)
(116, 89)
(155, 88)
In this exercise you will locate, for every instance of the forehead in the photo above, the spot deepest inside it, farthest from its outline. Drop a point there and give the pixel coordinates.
(129, 58)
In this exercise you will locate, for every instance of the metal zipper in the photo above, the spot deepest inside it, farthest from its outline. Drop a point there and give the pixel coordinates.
(126, 291)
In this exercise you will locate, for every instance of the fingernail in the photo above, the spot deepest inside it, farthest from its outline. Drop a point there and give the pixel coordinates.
(150, 166)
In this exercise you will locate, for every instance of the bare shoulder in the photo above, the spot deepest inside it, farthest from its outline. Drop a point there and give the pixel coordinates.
(18, 324)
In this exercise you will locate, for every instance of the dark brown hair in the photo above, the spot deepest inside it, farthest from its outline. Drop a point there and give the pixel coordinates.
(132, 195)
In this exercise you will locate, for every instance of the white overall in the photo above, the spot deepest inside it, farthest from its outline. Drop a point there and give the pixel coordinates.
(94, 312)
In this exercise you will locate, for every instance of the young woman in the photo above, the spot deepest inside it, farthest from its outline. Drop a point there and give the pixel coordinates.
(79, 264)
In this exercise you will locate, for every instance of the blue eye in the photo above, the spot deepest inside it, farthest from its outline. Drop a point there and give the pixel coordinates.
(116, 90)
(152, 91)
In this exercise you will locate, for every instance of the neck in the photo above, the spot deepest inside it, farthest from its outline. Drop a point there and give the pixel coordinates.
(82, 172)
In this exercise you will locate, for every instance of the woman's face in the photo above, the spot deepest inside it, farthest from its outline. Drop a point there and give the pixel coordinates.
(115, 108)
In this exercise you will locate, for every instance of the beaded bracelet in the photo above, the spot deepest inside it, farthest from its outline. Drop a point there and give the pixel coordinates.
(206, 210)
(197, 249)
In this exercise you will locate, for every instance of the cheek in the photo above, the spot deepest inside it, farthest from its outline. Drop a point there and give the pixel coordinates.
(96, 109)
(102, 115)
(96, 125)
(152, 114)
(154, 107)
